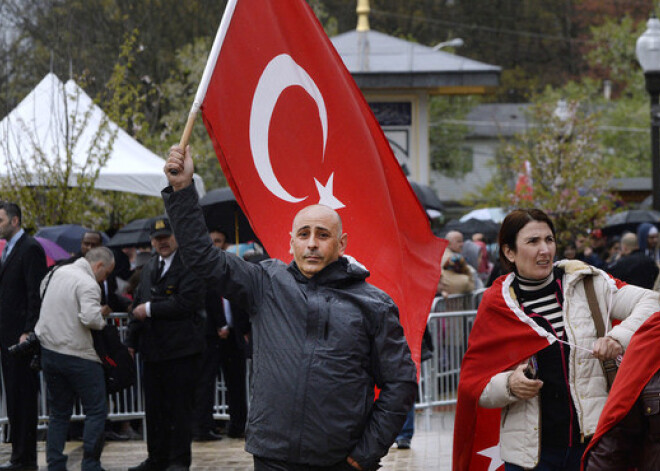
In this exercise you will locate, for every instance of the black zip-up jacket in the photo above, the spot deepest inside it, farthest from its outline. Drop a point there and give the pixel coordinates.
(320, 346)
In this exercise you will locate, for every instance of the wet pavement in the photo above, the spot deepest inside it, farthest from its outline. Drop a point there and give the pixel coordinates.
(430, 450)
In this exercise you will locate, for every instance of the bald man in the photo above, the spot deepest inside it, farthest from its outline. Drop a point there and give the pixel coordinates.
(456, 278)
(323, 338)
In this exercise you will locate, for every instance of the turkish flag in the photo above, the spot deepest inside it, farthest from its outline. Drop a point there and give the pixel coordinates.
(524, 190)
(502, 337)
(291, 128)
(640, 362)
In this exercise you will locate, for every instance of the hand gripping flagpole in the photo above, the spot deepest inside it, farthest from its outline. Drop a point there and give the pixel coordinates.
(206, 76)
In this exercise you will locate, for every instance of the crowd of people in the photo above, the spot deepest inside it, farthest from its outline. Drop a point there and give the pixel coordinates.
(194, 310)
(184, 332)
(471, 262)
(322, 339)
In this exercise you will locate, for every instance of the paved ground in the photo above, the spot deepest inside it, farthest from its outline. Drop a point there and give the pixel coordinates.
(431, 450)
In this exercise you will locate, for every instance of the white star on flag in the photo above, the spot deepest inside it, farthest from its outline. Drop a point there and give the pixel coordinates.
(325, 194)
(494, 454)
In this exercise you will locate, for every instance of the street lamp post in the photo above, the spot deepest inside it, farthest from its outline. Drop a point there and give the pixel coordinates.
(648, 55)
(456, 42)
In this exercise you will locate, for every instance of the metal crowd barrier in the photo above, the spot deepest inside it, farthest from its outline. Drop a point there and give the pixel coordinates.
(449, 324)
(125, 405)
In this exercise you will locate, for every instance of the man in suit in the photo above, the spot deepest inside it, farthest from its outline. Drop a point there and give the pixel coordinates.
(22, 267)
(167, 328)
(226, 351)
(634, 266)
(233, 327)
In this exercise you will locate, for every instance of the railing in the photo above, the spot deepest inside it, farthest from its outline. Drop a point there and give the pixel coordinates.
(125, 405)
(449, 324)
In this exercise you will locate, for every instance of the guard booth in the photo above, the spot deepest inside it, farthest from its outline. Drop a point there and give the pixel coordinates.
(397, 78)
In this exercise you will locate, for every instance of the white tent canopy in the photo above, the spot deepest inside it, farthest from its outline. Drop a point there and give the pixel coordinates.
(52, 111)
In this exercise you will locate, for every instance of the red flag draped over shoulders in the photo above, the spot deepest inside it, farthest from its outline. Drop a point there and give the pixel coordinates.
(501, 338)
(291, 128)
(641, 361)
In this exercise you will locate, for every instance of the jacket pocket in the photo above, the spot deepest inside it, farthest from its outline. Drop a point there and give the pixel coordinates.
(651, 411)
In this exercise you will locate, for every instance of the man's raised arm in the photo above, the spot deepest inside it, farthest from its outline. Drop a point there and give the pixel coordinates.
(234, 278)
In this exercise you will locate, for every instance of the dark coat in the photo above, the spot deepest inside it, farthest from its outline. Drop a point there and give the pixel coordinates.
(176, 326)
(216, 319)
(636, 269)
(320, 345)
(20, 301)
(633, 443)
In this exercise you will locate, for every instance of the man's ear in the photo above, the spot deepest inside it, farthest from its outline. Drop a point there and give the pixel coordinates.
(343, 241)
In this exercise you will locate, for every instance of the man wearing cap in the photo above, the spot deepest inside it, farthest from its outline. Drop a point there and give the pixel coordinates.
(167, 328)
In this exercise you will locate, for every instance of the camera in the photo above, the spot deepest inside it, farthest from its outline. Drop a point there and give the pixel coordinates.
(31, 347)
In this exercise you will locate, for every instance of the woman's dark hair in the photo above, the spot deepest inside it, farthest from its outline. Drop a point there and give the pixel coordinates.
(512, 224)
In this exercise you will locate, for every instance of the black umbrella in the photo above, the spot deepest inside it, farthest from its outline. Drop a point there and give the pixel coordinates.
(133, 234)
(426, 195)
(67, 236)
(222, 212)
(629, 220)
(488, 228)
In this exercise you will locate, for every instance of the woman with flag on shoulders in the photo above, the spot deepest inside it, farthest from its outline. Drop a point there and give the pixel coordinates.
(535, 354)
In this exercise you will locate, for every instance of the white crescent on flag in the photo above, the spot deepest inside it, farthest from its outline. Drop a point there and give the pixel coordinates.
(281, 73)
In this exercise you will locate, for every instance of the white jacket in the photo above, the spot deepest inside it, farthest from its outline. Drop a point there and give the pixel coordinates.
(71, 307)
(520, 437)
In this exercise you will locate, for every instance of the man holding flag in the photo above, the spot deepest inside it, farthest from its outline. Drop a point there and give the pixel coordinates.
(323, 338)
(291, 128)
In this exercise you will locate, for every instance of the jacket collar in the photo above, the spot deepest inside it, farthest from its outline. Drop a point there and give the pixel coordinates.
(344, 270)
(575, 270)
(85, 266)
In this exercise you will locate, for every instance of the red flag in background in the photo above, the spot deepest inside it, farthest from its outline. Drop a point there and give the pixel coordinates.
(291, 128)
(524, 189)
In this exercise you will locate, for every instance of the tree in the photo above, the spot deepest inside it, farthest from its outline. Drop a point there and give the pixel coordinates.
(180, 89)
(123, 102)
(447, 131)
(88, 34)
(569, 176)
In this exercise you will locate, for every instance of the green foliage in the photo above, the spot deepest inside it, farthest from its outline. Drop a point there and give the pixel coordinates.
(124, 100)
(180, 89)
(447, 132)
(569, 175)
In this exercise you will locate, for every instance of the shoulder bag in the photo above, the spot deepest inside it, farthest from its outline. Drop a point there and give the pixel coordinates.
(609, 366)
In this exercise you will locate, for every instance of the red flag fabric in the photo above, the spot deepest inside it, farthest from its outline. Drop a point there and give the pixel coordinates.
(641, 361)
(524, 190)
(291, 128)
(501, 338)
